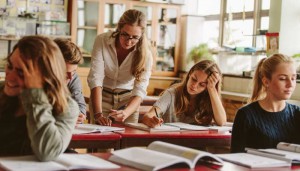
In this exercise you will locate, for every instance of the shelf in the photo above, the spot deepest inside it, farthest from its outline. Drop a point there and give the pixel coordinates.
(86, 55)
(87, 27)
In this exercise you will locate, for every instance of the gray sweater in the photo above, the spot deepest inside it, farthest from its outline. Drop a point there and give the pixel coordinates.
(38, 131)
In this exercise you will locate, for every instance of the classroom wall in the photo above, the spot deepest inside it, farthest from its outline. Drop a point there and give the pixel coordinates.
(285, 19)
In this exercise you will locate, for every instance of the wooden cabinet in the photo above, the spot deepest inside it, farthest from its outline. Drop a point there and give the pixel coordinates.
(93, 17)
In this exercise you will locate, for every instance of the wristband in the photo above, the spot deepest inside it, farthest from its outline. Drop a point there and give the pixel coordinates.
(97, 115)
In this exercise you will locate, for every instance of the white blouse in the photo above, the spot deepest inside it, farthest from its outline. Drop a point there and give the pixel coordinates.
(105, 71)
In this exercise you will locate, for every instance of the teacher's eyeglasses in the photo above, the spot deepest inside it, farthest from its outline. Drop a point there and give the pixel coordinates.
(127, 37)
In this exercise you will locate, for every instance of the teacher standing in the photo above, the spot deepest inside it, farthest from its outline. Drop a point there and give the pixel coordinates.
(120, 70)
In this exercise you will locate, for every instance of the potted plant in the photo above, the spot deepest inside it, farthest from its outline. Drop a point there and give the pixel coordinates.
(297, 61)
(199, 53)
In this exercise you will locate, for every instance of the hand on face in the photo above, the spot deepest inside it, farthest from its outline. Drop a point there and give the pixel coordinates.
(212, 80)
(32, 75)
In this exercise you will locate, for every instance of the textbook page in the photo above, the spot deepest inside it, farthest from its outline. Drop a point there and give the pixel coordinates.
(190, 154)
(186, 126)
(253, 161)
(159, 155)
(28, 163)
(144, 127)
(64, 162)
(145, 159)
(84, 161)
(90, 128)
(293, 157)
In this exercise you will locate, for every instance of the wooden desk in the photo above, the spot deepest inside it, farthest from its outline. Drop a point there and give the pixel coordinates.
(193, 139)
(96, 140)
(202, 166)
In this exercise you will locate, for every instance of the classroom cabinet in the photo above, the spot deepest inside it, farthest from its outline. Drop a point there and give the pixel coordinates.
(93, 17)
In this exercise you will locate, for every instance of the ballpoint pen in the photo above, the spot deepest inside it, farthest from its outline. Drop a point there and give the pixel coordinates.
(156, 113)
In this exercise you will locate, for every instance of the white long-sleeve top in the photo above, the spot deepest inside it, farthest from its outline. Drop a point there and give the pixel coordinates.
(105, 71)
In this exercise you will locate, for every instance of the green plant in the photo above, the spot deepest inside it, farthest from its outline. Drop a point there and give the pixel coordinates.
(297, 55)
(199, 53)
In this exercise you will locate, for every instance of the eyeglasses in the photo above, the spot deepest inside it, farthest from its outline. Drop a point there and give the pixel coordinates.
(127, 37)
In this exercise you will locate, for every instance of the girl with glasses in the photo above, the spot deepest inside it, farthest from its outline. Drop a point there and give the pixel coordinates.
(120, 70)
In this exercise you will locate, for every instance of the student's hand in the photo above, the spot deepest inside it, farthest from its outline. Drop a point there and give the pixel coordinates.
(32, 75)
(81, 118)
(102, 120)
(153, 121)
(118, 115)
(212, 80)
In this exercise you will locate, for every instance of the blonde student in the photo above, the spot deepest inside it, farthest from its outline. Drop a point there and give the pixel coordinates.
(196, 100)
(37, 113)
(268, 119)
(120, 70)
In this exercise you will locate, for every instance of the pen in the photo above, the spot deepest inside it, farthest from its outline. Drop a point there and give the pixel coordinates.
(156, 112)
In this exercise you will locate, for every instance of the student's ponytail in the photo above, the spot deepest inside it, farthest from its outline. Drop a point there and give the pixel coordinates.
(257, 82)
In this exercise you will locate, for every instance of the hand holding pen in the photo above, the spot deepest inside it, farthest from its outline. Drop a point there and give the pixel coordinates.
(152, 121)
(119, 115)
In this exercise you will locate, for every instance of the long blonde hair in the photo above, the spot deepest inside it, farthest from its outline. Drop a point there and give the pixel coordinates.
(135, 17)
(204, 112)
(266, 68)
(52, 67)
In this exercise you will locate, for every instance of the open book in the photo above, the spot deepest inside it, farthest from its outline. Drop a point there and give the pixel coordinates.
(90, 128)
(144, 127)
(253, 161)
(285, 151)
(159, 155)
(185, 126)
(63, 162)
(286, 154)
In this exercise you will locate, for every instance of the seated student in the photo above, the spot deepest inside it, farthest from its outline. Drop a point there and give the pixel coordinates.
(196, 100)
(37, 113)
(73, 57)
(268, 119)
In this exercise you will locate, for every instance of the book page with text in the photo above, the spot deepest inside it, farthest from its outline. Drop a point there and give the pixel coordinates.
(84, 161)
(191, 154)
(145, 159)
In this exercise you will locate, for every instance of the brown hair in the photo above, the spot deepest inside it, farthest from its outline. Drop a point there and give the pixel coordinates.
(52, 66)
(70, 51)
(135, 17)
(204, 112)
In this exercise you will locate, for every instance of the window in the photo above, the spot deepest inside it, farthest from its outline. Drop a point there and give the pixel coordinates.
(233, 22)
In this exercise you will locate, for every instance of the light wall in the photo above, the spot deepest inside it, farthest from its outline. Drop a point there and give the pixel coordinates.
(285, 19)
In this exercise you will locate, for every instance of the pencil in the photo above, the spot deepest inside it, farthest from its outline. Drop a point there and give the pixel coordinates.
(156, 112)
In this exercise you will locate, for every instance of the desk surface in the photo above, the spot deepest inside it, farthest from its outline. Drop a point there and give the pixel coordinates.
(96, 140)
(194, 139)
(203, 166)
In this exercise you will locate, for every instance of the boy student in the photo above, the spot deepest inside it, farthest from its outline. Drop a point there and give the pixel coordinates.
(37, 113)
(268, 119)
(196, 100)
(73, 57)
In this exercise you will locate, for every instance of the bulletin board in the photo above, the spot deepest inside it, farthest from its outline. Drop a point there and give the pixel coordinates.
(16, 7)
